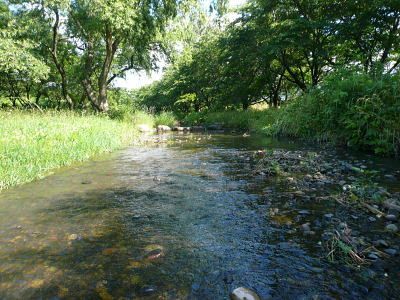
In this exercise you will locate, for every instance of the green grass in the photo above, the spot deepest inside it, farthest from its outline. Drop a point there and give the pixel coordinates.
(165, 118)
(34, 144)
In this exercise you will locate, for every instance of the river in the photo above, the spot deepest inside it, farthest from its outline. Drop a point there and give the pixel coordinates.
(183, 217)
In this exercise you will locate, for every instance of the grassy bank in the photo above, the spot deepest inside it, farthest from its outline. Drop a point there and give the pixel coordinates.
(353, 108)
(34, 144)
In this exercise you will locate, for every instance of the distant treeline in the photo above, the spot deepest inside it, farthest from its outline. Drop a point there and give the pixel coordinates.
(277, 50)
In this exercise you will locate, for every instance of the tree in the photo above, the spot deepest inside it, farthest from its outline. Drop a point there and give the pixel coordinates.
(19, 67)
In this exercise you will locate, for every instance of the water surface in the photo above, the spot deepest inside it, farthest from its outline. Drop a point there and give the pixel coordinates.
(86, 231)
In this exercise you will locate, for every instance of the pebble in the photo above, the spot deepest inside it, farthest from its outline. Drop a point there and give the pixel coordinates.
(155, 254)
(309, 232)
(372, 256)
(371, 219)
(391, 228)
(306, 227)
(242, 293)
(74, 237)
(390, 217)
(342, 226)
(381, 243)
(148, 290)
(390, 177)
(304, 212)
(390, 251)
(299, 193)
(328, 215)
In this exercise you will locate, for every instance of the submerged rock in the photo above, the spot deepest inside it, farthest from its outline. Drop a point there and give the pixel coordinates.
(392, 228)
(391, 217)
(242, 293)
(390, 251)
(381, 243)
(373, 256)
(74, 237)
(154, 254)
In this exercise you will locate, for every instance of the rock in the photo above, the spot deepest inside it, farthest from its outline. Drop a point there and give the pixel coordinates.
(299, 193)
(391, 217)
(260, 154)
(215, 127)
(372, 255)
(390, 251)
(304, 212)
(146, 290)
(180, 128)
(306, 227)
(371, 219)
(390, 177)
(342, 226)
(109, 251)
(155, 254)
(242, 293)
(346, 187)
(391, 204)
(143, 128)
(328, 216)
(391, 228)
(163, 128)
(73, 237)
(153, 247)
(380, 243)
(197, 128)
(309, 232)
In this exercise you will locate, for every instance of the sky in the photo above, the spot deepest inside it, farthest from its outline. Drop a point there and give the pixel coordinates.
(135, 80)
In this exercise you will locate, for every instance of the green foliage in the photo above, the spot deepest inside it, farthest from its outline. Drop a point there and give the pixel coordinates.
(241, 120)
(142, 117)
(165, 118)
(351, 106)
(33, 144)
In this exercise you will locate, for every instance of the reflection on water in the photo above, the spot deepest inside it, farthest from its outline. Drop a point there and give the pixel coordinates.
(182, 218)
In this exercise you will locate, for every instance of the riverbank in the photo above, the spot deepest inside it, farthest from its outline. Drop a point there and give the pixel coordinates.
(354, 109)
(33, 144)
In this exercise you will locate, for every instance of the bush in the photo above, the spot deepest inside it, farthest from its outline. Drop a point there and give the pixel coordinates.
(165, 118)
(361, 110)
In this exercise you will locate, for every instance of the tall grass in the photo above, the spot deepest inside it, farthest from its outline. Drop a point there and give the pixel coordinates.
(33, 144)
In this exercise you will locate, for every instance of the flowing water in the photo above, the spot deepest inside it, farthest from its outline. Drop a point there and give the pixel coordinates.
(193, 203)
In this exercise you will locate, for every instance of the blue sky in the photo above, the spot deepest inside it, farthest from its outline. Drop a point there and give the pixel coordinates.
(138, 79)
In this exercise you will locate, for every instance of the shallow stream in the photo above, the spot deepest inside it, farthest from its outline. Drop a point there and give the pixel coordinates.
(184, 217)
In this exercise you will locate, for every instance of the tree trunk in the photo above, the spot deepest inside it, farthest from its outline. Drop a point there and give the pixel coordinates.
(59, 66)
(111, 48)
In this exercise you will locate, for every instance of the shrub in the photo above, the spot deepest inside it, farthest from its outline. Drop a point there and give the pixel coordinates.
(362, 110)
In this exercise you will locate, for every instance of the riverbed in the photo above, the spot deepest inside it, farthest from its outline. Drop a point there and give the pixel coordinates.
(183, 217)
